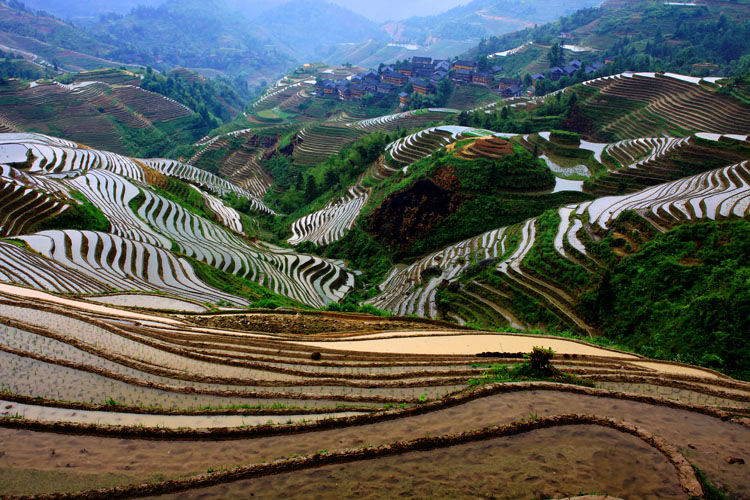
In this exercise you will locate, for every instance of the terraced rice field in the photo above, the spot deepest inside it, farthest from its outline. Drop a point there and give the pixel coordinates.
(414, 147)
(713, 195)
(64, 158)
(649, 161)
(280, 94)
(308, 279)
(407, 120)
(167, 405)
(242, 166)
(332, 222)
(317, 142)
(120, 263)
(633, 105)
(91, 107)
(207, 180)
(137, 255)
(22, 206)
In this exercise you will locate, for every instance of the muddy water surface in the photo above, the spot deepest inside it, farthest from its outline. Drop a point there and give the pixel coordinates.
(705, 441)
(546, 463)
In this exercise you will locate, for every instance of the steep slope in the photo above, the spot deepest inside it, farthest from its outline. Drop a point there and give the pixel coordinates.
(698, 38)
(120, 118)
(146, 226)
(48, 41)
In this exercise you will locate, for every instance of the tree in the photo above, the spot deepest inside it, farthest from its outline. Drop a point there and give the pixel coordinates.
(555, 55)
(331, 179)
(311, 189)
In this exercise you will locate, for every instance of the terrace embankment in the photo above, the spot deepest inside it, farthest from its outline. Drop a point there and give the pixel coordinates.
(299, 322)
(705, 440)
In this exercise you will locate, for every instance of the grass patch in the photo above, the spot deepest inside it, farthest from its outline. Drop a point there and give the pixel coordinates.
(84, 216)
(537, 366)
(261, 298)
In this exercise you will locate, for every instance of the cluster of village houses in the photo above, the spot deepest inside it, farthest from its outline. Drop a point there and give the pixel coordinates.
(425, 74)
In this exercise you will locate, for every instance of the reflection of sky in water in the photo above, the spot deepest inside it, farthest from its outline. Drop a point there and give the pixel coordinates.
(13, 153)
(566, 185)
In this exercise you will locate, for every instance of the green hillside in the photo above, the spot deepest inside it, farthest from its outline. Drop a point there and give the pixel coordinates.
(644, 35)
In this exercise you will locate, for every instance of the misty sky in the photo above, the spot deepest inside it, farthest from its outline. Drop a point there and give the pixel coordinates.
(383, 10)
(376, 10)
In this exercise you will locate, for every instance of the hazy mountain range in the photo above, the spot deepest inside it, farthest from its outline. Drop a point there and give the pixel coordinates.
(261, 40)
(378, 12)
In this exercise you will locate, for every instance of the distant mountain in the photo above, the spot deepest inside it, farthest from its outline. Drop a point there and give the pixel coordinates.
(483, 18)
(454, 31)
(304, 26)
(47, 41)
(195, 34)
(88, 11)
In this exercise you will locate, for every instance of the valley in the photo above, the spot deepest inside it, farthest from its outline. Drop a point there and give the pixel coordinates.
(516, 270)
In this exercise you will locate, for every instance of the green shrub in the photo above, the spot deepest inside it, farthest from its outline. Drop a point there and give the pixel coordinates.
(84, 216)
(684, 296)
(565, 137)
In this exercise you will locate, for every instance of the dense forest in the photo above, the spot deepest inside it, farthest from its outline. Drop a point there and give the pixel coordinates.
(684, 296)
(213, 99)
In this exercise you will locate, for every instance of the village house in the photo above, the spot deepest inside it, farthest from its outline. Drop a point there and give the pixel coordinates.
(422, 87)
(406, 70)
(506, 83)
(421, 62)
(512, 91)
(462, 75)
(593, 68)
(394, 78)
(437, 76)
(442, 65)
(482, 78)
(387, 88)
(356, 91)
(424, 73)
(329, 88)
(465, 65)
(556, 73)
